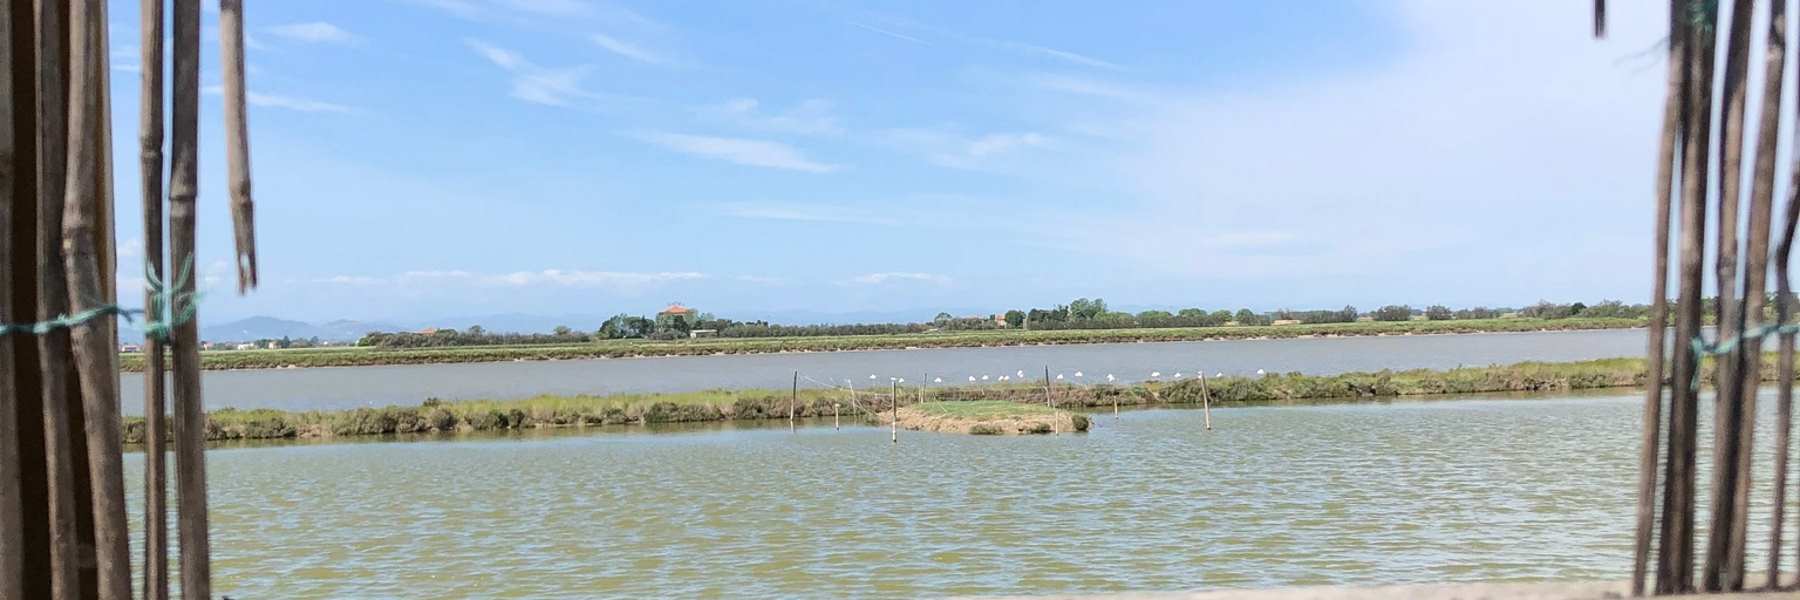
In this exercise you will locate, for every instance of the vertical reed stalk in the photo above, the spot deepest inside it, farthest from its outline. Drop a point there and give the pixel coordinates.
(12, 533)
(94, 353)
(237, 139)
(1205, 401)
(189, 412)
(150, 139)
(1659, 306)
(1675, 555)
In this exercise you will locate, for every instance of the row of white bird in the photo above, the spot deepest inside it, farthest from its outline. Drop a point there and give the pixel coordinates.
(1154, 375)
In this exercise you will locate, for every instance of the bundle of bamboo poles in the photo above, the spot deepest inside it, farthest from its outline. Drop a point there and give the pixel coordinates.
(63, 531)
(1683, 171)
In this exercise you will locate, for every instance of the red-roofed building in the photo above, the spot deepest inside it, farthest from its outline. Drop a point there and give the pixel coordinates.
(677, 317)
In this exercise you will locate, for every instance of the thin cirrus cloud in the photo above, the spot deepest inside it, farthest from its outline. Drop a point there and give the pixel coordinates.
(898, 277)
(958, 151)
(749, 152)
(284, 102)
(804, 213)
(628, 49)
(316, 32)
(887, 32)
(519, 279)
(536, 84)
(810, 117)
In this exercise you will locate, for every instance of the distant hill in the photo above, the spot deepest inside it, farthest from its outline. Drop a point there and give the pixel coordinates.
(346, 330)
(255, 328)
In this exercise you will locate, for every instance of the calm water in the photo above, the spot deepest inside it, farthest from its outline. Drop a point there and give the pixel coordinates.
(1493, 488)
(306, 389)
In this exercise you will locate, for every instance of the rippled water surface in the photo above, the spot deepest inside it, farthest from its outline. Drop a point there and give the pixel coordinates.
(1473, 489)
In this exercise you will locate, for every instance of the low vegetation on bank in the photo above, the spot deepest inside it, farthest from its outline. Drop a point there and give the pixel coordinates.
(718, 405)
(367, 356)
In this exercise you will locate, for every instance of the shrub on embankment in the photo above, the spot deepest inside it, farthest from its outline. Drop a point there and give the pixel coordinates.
(718, 405)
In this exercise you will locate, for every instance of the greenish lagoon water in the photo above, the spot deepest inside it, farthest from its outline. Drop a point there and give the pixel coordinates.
(1477, 488)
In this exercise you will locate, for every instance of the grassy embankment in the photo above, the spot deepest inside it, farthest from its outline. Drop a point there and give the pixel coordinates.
(581, 411)
(357, 356)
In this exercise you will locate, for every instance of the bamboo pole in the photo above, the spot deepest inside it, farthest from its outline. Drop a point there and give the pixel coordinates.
(1756, 269)
(1205, 401)
(189, 412)
(1723, 559)
(894, 423)
(1599, 18)
(834, 416)
(150, 139)
(1784, 398)
(793, 396)
(237, 139)
(92, 343)
(1675, 559)
(12, 534)
(1049, 399)
(1761, 208)
(1659, 308)
(52, 298)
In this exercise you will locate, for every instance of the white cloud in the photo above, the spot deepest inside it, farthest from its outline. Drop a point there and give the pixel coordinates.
(536, 84)
(755, 153)
(284, 102)
(954, 150)
(810, 117)
(898, 277)
(628, 49)
(316, 32)
(1409, 170)
(810, 213)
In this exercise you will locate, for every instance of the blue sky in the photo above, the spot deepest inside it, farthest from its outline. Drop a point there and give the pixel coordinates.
(425, 158)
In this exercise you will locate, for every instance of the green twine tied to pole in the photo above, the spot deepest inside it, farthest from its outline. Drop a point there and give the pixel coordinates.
(1700, 348)
(168, 309)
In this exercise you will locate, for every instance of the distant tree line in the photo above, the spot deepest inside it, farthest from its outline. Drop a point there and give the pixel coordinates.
(1082, 313)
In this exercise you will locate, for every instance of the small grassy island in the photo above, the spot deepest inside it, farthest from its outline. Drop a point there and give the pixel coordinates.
(988, 417)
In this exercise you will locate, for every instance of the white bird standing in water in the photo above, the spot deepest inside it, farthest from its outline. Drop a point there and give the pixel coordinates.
(871, 376)
(1109, 378)
(937, 380)
(984, 378)
(1178, 374)
(1155, 374)
(1059, 376)
(1259, 373)
(971, 379)
(1078, 373)
(1218, 375)
(1021, 373)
